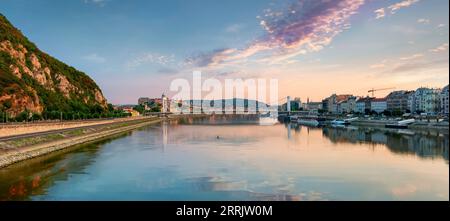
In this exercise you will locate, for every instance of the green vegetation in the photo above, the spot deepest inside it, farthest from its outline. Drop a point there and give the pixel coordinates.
(81, 103)
(58, 115)
(139, 108)
(152, 108)
(34, 140)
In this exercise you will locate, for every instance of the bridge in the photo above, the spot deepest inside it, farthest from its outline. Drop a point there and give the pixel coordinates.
(286, 112)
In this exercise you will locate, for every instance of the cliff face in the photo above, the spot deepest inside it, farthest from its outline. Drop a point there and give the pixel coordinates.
(33, 81)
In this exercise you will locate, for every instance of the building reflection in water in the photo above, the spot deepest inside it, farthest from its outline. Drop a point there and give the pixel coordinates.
(239, 162)
(164, 134)
(289, 131)
(425, 144)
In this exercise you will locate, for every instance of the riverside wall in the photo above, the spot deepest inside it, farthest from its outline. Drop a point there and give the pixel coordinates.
(30, 152)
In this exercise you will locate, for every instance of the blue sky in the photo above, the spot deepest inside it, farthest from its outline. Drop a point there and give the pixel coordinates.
(134, 48)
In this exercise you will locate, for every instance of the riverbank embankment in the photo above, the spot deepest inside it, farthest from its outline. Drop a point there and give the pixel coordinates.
(418, 125)
(19, 128)
(16, 150)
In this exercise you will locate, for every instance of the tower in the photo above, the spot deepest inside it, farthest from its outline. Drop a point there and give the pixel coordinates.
(288, 104)
(165, 104)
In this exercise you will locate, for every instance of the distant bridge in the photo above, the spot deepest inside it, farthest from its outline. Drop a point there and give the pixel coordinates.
(286, 112)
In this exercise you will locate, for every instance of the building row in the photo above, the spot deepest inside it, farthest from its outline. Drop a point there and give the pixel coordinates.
(149, 103)
(423, 100)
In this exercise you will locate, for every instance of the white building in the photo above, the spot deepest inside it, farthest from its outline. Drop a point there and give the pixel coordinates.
(378, 105)
(165, 104)
(412, 102)
(360, 107)
(334, 103)
(351, 103)
(362, 104)
(427, 100)
(342, 107)
(444, 100)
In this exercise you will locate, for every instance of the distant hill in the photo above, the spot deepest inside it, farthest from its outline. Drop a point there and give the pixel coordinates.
(32, 81)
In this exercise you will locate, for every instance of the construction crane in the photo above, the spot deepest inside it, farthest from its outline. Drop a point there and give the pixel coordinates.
(382, 89)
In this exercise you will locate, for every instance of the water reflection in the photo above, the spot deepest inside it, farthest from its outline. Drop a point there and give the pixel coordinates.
(196, 159)
(20, 181)
(423, 144)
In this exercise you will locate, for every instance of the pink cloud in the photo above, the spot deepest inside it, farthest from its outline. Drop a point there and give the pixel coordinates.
(381, 13)
(402, 4)
(304, 26)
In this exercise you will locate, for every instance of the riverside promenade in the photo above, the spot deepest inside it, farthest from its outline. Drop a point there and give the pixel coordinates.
(13, 129)
(23, 142)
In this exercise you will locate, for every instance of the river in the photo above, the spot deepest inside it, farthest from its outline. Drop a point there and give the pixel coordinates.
(205, 160)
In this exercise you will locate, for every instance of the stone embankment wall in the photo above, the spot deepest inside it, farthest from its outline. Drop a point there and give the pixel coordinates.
(38, 150)
(25, 128)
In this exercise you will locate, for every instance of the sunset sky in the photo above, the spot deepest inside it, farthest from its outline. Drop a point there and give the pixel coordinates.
(314, 47)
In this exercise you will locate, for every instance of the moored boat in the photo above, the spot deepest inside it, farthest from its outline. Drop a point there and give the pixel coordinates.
(310, 120)
(401, 124)
(343, 121)
(339, 122)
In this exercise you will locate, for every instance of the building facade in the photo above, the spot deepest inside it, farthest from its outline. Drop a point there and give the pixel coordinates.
(314, 106)
(351, 104)
(362, 105)
(333, 103)
(444, 101)
(378, 105)
(427, 100)
(412, 102)
(325, 105)
(399, 101)
(143, 100)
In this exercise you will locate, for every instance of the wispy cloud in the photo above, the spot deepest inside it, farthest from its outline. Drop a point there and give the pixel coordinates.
(96, 2)
(210, 58)
(167, 70)
(403, 4)
(95, 58)
(415, 63)
(400, 63)
(381, 12)
(419, 65)
(423, 21)
(150, 58)
(412, 57)
(305, 26)
(441, 48)
(378, 66)
(234, 28)
(441, 26)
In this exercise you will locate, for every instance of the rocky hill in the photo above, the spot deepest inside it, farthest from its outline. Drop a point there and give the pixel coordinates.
(32, 81)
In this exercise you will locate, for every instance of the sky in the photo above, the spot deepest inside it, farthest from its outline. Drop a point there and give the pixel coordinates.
(314, 48)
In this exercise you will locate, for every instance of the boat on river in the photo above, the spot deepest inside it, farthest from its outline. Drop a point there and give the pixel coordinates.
(400, 124)
(310, 120)
(343, 121)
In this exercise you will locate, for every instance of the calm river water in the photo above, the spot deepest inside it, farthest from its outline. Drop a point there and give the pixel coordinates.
(200, 160)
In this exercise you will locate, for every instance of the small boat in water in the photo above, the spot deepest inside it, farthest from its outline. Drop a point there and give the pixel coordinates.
(268, 119)
(343, 121)
(339, 122)
(310, 120)
(401, 124)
